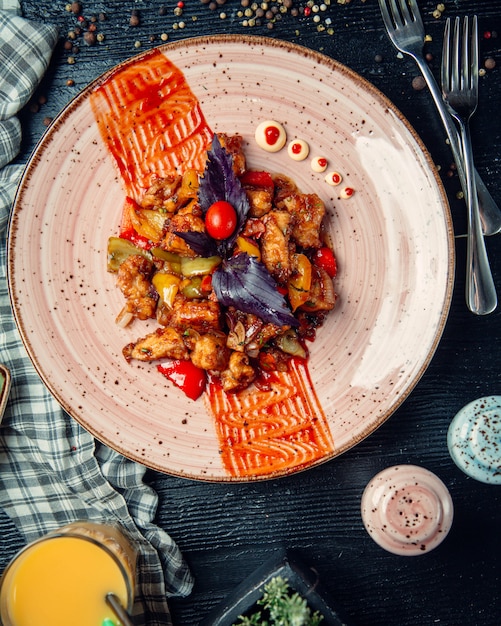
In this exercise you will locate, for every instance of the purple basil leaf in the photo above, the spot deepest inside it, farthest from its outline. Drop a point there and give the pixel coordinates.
(201, 243)
(244, 282)
(219, 182)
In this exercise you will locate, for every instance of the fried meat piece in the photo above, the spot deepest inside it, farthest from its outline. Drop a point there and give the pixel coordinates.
(162, 343)
(233, 145)
(308, 211)
(284, 187)
(275, 244)
(182, 222)
(239, 373)
(202, 316)
(260, 200)
(210, 352)
(161, 193)
(133, 279)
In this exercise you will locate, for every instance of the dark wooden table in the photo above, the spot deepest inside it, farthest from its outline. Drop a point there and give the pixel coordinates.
(226, 530)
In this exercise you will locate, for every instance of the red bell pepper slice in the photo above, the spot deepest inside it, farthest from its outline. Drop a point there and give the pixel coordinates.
(324, 258)
(185, 375)
(251, 178)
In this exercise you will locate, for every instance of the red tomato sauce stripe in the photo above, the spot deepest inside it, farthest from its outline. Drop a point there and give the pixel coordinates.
(150, 121)
(152, 125)
(266, 432)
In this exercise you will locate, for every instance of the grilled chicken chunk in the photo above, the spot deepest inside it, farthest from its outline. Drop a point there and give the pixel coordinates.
(161, 192)
(163, 343)
(239, 374)
(134, 282)
(203, 316)
(284, 187)
(184, 221)
(210, 352)
(308, 211)
(260, 200)
(233, 145)
(275, 244)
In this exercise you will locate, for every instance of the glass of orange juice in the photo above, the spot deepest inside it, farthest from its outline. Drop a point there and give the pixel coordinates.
(64, 578)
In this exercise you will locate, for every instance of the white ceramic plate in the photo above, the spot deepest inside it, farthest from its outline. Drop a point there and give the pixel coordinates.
(393, 240)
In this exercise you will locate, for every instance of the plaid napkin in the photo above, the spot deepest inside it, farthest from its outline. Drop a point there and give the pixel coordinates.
(52, 471)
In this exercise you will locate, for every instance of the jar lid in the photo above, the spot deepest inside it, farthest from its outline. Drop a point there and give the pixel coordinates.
(407, 510)
(474, 439)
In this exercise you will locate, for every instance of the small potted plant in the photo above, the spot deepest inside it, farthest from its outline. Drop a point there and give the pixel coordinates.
(282, 592)
(281, 606)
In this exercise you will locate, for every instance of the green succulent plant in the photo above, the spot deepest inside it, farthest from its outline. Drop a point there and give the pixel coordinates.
(281, 606)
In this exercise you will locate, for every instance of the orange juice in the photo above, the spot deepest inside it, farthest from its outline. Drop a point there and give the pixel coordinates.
(63, 579)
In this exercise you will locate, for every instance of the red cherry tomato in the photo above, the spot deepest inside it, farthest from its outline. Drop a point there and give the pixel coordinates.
(221, 220)
(185, 375)
(324, 258)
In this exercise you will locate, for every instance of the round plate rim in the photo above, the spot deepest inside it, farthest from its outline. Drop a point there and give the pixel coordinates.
(266, 42)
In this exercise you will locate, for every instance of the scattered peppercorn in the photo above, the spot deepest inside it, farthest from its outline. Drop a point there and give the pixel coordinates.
(47, 121)
(134, 18)
(418, 83)
(90, 38)
(76, 7)
(490, 63)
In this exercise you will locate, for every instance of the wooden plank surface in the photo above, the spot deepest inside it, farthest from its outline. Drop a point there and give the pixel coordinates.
(227, 530)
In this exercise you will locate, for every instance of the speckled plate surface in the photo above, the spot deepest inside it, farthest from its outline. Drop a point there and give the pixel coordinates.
(393, 240)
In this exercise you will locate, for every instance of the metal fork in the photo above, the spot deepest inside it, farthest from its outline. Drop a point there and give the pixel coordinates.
(460, 94)
(405, 28)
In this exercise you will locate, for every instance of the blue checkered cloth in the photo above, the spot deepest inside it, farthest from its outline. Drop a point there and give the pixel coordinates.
(52, 471)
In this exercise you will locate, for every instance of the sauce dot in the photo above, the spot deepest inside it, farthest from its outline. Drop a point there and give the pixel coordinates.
(347, 192)
(270, 136)
(298, 149)
(333, 178)
(319, 164)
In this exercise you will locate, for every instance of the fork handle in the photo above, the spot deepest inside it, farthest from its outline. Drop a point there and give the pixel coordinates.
(480, 290)
(490, 214)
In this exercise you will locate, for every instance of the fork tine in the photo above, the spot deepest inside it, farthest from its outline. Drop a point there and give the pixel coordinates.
(456, 79)
(466, 55)
(404, 12)
(389, 13)
(412, 12)
(446, 57)
(474, 54)
(388, 23)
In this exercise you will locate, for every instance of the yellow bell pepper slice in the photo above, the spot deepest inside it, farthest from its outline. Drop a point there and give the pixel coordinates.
(148, 223)
(167, 286)
(189, 186)
(299, 284)
(246, 245)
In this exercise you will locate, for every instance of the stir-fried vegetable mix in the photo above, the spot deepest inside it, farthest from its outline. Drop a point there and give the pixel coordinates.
(233, 265)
